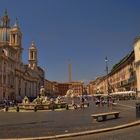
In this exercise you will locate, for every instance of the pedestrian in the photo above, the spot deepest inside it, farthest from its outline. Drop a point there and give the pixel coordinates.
(86, 101)
(102, 101)
(82, 102)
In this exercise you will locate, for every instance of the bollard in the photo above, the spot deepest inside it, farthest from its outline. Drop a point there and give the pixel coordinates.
(82, 105)
(67, 107)
(137, 110)
(35, 109)
(53, 107)
(6, 109)
(17, 109)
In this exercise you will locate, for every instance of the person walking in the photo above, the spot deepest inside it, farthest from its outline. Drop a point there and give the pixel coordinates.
(82, 102)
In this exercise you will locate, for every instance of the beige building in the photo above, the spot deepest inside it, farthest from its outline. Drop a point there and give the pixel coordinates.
(94, 86)
(77, 86)
(137, 62)
(122, 77)
(91, 87)
(16, 78)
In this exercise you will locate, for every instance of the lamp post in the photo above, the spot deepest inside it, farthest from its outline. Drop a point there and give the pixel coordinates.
(106, 61)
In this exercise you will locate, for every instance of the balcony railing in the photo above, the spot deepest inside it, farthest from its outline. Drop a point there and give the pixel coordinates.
(132, 79)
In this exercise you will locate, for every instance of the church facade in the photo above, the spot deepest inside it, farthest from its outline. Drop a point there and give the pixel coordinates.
(16, 78)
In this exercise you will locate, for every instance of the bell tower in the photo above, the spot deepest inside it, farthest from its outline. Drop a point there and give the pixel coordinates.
(15, 40)
(15, 35)
(33, 56)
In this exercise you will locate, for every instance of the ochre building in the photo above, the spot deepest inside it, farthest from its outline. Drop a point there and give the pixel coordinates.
(122, 77)
(61, 88)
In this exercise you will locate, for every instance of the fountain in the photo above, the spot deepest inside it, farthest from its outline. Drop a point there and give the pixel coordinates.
(41, 103)
(76, 101)
(71, 98)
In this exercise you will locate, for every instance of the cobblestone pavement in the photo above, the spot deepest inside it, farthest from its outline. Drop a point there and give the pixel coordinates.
(35, 124)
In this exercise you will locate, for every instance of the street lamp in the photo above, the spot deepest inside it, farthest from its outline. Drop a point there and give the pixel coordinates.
(106, 61)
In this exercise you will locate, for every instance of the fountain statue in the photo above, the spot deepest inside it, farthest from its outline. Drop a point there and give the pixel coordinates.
(41, 102)
(42, 91)
(25, 100)
(41, 98)
(69, 93)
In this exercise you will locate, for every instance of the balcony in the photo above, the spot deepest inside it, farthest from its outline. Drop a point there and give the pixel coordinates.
(129, 81)
(132, 79)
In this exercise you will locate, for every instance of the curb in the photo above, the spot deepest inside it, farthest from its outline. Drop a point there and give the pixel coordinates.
(80, 133)
(22, 110)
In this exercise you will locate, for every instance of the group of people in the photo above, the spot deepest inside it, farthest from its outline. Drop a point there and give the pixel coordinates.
(101, 101)
(9, 102)
(81, 101)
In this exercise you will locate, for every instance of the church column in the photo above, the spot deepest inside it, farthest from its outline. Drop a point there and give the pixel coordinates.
(16, 41)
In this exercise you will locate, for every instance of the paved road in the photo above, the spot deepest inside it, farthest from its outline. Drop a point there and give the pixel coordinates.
(35, 124)
(131, 133)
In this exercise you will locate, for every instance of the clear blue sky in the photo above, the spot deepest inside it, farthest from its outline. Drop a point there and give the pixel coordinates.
(82, 31)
